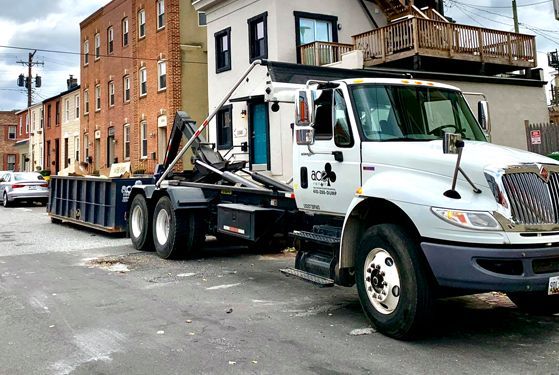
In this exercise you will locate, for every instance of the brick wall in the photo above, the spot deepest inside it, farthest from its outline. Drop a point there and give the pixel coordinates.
(7, 146)
(52, 136)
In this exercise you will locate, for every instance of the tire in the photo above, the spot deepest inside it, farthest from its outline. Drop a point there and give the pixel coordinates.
(396, 294)
(139, 224)
(538, 303)
(5, 201)
(176, 234)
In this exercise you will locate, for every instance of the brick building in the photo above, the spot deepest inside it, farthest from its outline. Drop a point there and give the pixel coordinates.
(9, 158)
(52, 133)
(141, 62)
(22, 143)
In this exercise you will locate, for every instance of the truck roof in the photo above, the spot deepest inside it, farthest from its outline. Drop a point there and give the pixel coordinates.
(397, 81)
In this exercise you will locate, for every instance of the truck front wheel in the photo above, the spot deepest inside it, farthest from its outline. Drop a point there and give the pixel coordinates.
(176, 234)
(139, 226)
(536, 302)
(392, 282)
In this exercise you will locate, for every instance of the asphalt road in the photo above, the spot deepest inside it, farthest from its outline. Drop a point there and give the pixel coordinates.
(73, 301)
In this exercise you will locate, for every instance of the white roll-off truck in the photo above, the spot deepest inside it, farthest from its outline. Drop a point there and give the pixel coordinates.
(395, 190)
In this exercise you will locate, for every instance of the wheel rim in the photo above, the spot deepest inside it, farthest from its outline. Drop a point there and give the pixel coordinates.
(382, 281)
(5, 200)
(162, 227)
(137, 221)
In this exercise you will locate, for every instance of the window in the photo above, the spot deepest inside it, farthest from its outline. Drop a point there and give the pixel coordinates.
(49, 112)
(11, 162)
(144, 137)
(310, 27)
(97, 46)
(126, 84)
(97, 98)
(342, 131)
(223, 50)
(86, 147)
(77, 103)
(224, 128)
(111, 94)
(12, 132)
(57, 114)
(323, 116)
(160, 14)
(127, 142)
(143, 82)
(27, 124)
(110, 39)
(258, 37)
(86, 52)
(20, 125)
(42, 120)
(66, 110)
(202, 19)
(125, 32)
(77, 148)
(141, 23)
(162, 72)
(85, 102)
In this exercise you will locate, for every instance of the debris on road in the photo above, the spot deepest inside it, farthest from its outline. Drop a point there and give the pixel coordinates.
(160, 332)
(229, 310)
(362, 331)
(108, 264)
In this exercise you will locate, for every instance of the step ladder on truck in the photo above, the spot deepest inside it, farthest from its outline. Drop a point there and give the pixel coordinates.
(395, 190)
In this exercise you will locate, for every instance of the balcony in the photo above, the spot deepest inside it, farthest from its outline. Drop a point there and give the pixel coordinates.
(432, 44)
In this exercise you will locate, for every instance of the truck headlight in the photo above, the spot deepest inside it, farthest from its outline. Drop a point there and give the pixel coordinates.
(468, 219)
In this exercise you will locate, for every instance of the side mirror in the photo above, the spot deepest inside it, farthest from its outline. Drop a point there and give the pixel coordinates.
(305, 136)
(303, 107)
(450, 143)
(483, 115)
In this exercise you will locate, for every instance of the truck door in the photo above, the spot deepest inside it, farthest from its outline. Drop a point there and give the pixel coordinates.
(329, 171)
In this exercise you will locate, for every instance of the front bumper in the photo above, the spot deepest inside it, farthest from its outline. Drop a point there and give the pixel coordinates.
(492, 269)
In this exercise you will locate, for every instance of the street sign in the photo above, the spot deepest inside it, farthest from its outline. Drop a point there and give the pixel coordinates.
(536, 137)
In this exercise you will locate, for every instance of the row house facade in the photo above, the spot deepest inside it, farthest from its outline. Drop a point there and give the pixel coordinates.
(141, 62)
(22, 143)
(9, 156)
(406, 36)
(36, 137)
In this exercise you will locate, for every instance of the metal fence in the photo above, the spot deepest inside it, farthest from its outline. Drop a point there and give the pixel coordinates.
(542, 138)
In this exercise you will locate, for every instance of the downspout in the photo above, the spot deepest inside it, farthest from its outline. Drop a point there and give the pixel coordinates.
(368, 13)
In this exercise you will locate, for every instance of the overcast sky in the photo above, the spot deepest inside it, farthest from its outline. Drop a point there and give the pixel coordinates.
(54, 25)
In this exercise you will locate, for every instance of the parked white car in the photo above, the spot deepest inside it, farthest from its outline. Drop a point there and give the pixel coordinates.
(23, 186)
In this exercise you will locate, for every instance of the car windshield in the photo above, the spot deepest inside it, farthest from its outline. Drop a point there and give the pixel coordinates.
(27, 176)
(413, 113)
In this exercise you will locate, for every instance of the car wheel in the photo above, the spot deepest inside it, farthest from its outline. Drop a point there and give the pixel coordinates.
(176, 234)
(5, 201)
(539, 303)
(139, 226)
(393, 282)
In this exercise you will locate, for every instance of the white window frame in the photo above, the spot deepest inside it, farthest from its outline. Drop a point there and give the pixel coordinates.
(125, 32)
(97, 98)
(143, 79)
(126, 89)
(161, 70)
(85, 101)
(77, 104)
(97, 46)
(86, 52)
(111, 93)
(141, 22)
(110, 40)
(143, 138)
(66, 109)
(202, 24)
(76, 148)
(126, 143)
(21, 125)
(160, 6)
(10, 137)
(11, 156)
(27, 123)
(86, 147)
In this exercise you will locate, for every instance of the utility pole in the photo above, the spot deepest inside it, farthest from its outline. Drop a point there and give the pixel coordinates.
(515, 16)
(28, 80)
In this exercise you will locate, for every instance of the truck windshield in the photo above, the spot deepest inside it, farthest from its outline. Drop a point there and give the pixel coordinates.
(413, 113)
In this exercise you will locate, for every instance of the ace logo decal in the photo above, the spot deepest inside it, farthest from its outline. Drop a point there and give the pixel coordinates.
(324, 180)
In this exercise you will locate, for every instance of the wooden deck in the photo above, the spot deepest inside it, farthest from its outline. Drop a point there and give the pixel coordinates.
(417, 36)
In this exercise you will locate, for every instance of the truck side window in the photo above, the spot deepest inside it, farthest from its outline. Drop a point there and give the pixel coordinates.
(342, 131)
(323, 115)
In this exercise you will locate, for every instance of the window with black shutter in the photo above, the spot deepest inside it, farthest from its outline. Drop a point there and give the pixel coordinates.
(258, 37)
(225, 128)
(223, 50)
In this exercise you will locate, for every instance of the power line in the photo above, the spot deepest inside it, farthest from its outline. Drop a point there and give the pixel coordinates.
(509, 6)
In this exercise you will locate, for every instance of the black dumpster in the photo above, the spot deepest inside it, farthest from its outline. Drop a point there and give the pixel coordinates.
(98, 203)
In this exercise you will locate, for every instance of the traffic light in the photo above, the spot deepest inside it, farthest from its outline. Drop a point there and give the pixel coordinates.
(38, 81)
(20, 80)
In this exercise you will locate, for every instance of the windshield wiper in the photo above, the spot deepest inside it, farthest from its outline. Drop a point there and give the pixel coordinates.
(405, 139)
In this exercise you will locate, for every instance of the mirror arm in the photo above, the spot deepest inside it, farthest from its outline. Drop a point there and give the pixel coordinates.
(476, 189)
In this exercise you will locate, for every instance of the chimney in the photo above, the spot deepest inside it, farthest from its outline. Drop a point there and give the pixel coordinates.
(71, 82)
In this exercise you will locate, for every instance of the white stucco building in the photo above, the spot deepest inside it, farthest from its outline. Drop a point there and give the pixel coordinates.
(36, 137)
(70, 127)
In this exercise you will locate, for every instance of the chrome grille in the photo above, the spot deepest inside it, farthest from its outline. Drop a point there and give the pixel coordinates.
(533, 201)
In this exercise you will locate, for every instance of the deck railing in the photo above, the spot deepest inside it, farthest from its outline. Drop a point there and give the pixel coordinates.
(426, 37)
(323, 53)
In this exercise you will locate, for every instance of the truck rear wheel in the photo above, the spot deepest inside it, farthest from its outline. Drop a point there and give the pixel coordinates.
(536, 302)
(139, 224)
(392, 282)
(176, 234)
